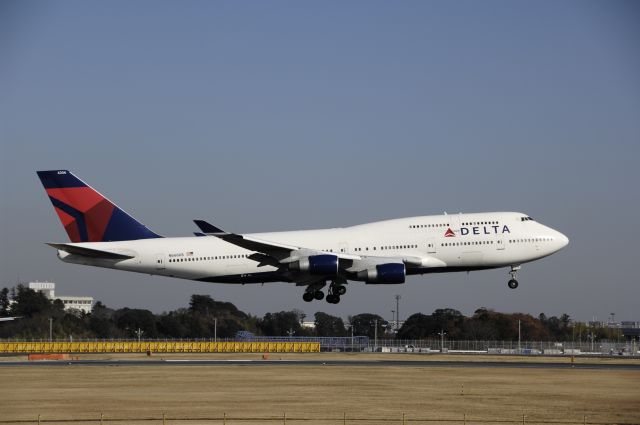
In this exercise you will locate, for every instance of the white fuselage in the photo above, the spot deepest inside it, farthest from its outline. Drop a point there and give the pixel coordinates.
(454, 242)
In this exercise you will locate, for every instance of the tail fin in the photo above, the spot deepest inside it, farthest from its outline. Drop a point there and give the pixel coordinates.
(86, 215)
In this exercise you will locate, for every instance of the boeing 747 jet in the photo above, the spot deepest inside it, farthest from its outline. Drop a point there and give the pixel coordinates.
(383, 252)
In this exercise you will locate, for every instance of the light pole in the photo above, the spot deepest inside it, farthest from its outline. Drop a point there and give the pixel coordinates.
(375, 335)
(442, 333)
(139, 333)
(397, 312)
(393, 318)
(352, 337)
(50, 329)
(519, 351)
(215, 329)
(591, 337)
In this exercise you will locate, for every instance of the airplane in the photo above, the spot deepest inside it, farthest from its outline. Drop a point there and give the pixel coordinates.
(382, 252)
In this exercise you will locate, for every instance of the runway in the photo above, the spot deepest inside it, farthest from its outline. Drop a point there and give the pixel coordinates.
(341, 363)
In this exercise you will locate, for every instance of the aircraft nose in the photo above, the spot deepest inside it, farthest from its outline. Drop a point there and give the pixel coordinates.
(563, 240)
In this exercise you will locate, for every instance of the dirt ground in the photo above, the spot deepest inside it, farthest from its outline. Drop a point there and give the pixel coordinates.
(348, 356)
(319, 394)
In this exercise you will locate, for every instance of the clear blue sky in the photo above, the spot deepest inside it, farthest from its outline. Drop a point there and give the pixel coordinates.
(262, 116)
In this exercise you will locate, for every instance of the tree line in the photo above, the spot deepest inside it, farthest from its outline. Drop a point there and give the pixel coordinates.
(206, 317)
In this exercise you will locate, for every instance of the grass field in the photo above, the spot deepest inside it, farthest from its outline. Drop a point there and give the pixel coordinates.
(320, 392)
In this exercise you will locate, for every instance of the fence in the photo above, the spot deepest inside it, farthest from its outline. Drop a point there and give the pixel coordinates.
(343, 419)
(315, 344)
(512, 347)
(158, 347)
(509, 347)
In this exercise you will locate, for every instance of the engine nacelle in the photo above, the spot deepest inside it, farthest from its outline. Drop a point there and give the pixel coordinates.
(384, 273)
(323, 264)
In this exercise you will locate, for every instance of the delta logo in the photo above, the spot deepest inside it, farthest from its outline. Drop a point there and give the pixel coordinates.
(478, 230)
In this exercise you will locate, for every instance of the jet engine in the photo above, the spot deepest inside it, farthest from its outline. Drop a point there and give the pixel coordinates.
(384, 273)
(323, 264)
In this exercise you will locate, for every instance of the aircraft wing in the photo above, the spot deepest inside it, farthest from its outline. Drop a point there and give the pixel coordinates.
(281, 252)
(422, 261)
(279, 255)
(242, 241)
(89, 252)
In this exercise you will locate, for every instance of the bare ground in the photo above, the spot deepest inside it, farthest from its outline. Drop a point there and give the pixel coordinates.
(349, 356)
(320, 393)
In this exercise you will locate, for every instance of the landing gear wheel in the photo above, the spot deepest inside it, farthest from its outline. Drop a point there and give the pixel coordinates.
(340, 290)
(513, 283)
(318, 295)
(333, 299)
(308, 296)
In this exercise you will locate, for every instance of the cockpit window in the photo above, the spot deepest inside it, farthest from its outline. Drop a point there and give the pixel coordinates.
(526, 218)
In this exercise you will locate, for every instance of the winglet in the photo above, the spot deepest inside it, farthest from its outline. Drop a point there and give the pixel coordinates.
(209, 228)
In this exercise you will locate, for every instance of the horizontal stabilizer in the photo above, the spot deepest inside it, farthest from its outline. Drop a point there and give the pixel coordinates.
(89, 252)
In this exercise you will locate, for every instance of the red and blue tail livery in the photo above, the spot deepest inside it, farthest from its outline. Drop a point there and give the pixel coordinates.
(86, 215)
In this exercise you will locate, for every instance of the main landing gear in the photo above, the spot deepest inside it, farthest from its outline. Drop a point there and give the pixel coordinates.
(513, 282)
(336, 289)
(313, 294)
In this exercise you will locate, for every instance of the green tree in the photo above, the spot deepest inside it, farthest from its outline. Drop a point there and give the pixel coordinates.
(174, 324)
(364, 324)
(204, 304)
(130, 320)
(417, 326)
(4, 302)
(449, 320)
(29, 303)
(283, 323)
(101, 322)
(328, 325)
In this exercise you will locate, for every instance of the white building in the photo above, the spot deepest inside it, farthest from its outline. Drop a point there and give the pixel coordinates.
(308, 324)
(83, 304)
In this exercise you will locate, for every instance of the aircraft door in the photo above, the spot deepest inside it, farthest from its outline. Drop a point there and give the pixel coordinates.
(160, 262)
(500, 243)
(343, 247)
(431, 245)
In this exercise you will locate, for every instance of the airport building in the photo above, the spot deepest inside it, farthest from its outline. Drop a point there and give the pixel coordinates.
(630, 330)
(83, 304)
(308, 324)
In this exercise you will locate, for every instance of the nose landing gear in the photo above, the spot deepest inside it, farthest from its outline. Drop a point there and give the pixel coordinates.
(513, 282)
